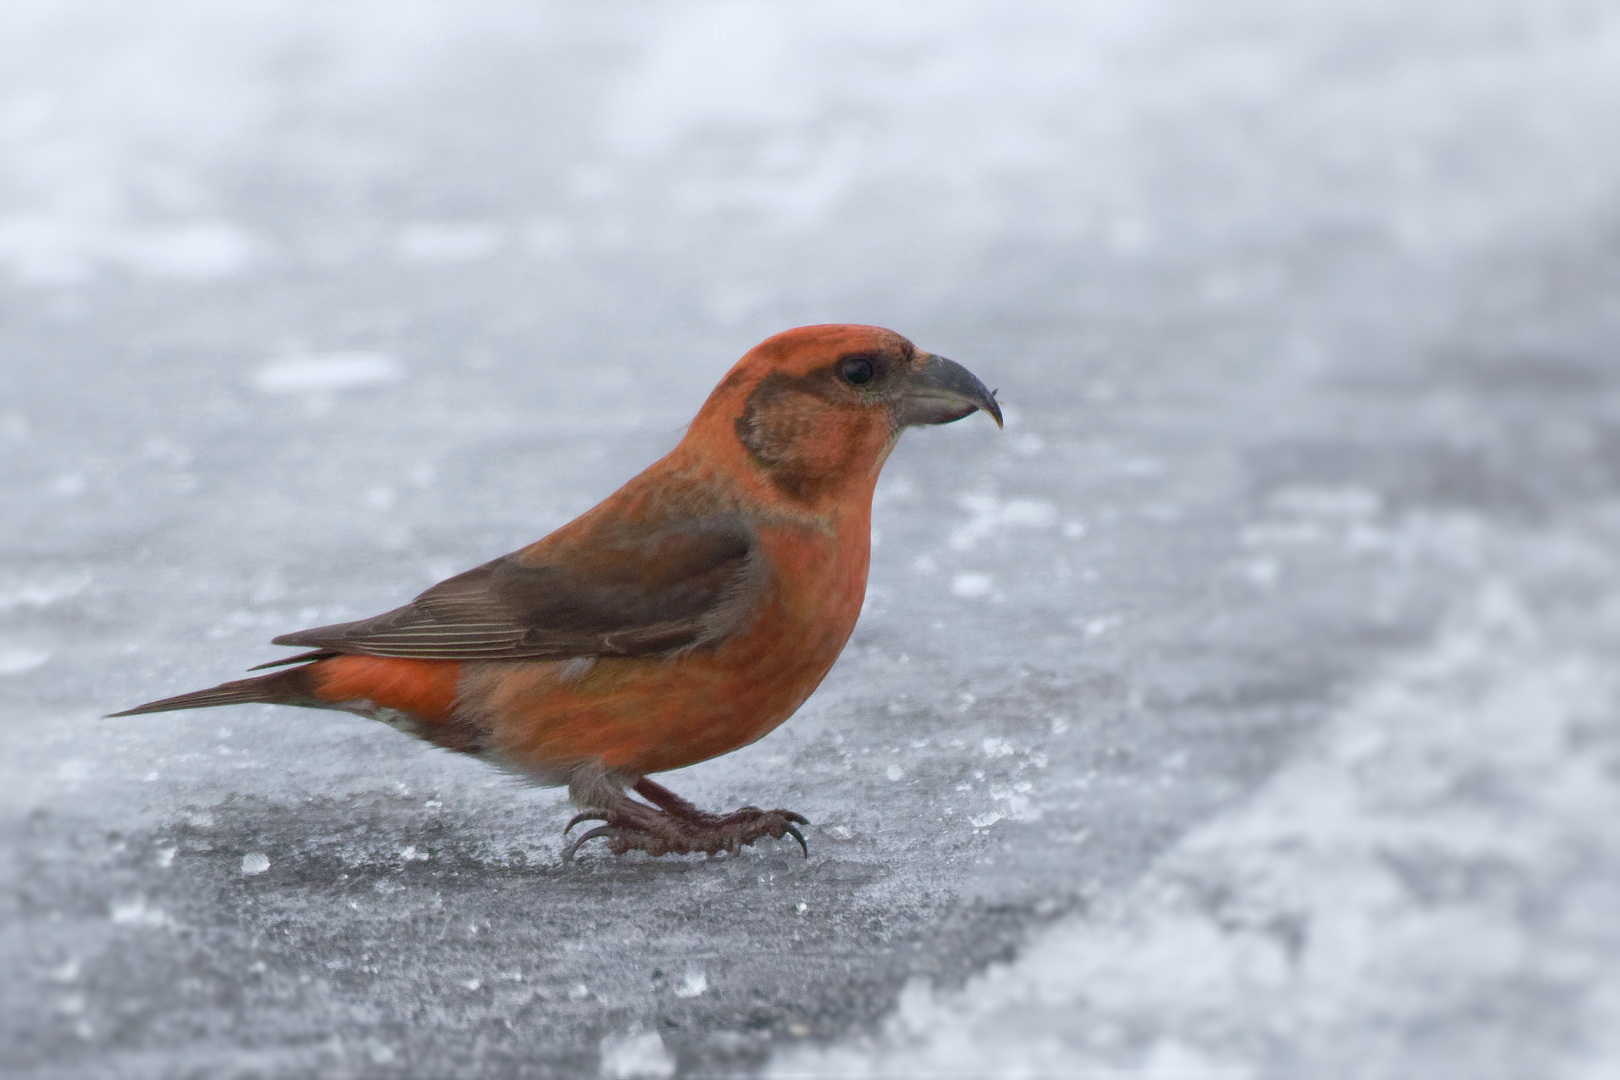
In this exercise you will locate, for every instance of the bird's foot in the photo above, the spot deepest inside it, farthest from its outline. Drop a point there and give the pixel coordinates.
(676, 827)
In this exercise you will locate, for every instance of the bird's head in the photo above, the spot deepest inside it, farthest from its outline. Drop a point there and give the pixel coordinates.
(817, 409)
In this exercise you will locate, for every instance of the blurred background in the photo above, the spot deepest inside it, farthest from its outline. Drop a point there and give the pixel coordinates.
(1247, 708)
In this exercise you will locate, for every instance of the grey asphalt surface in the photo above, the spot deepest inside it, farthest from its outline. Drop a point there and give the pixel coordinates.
(1245, 708)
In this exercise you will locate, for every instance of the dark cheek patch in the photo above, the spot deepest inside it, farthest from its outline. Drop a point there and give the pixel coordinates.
(804, 441)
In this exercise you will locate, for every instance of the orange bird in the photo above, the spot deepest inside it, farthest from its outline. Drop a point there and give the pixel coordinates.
(686, 615)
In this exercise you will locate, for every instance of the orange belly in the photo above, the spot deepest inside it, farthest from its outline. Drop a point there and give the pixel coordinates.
(424, 688)
(649, 715)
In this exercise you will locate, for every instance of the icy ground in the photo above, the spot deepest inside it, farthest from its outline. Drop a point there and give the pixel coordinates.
(1248, 708)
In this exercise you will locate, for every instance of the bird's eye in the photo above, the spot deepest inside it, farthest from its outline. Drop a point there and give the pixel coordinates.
(857, 370)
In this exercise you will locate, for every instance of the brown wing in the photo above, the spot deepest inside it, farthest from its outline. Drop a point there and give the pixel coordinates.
(677, 587)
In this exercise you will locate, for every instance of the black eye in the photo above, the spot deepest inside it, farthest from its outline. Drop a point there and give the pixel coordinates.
(857, 370)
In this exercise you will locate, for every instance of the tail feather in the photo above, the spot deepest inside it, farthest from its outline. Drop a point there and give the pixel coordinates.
(294, 687)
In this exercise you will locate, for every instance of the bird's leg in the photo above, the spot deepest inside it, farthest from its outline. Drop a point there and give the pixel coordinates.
(671, 803)
(675, 826)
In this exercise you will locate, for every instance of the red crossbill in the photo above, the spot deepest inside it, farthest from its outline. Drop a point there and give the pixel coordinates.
(686, 615)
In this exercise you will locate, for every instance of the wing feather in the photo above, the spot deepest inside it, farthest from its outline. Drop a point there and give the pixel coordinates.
(653, 592)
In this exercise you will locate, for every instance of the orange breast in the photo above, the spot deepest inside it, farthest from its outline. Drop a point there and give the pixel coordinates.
(647, 715)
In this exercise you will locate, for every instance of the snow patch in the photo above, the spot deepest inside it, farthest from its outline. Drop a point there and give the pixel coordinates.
(1437, 859)
(995, 748)
(1017, 800)
(637, 1055)
(45, 250)
(695, 984)
(448, 241)
(137, 912)
(20, 661)
(326, 372)
(40, 594)
(990, 515)
(971, 585)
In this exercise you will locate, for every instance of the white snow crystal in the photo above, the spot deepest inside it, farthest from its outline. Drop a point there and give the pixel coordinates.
(137, 912)
(694, 985)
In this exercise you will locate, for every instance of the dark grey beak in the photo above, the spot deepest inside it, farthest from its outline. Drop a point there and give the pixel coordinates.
(942, 391)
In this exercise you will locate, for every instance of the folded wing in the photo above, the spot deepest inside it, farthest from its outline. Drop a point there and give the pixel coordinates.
(654, 592)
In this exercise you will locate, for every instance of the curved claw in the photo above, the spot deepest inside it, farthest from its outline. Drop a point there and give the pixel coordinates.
(585, 815)
(799, 836)
(600, 830)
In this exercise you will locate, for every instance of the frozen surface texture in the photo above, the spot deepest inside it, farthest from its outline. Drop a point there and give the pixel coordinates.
(1247, 708)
